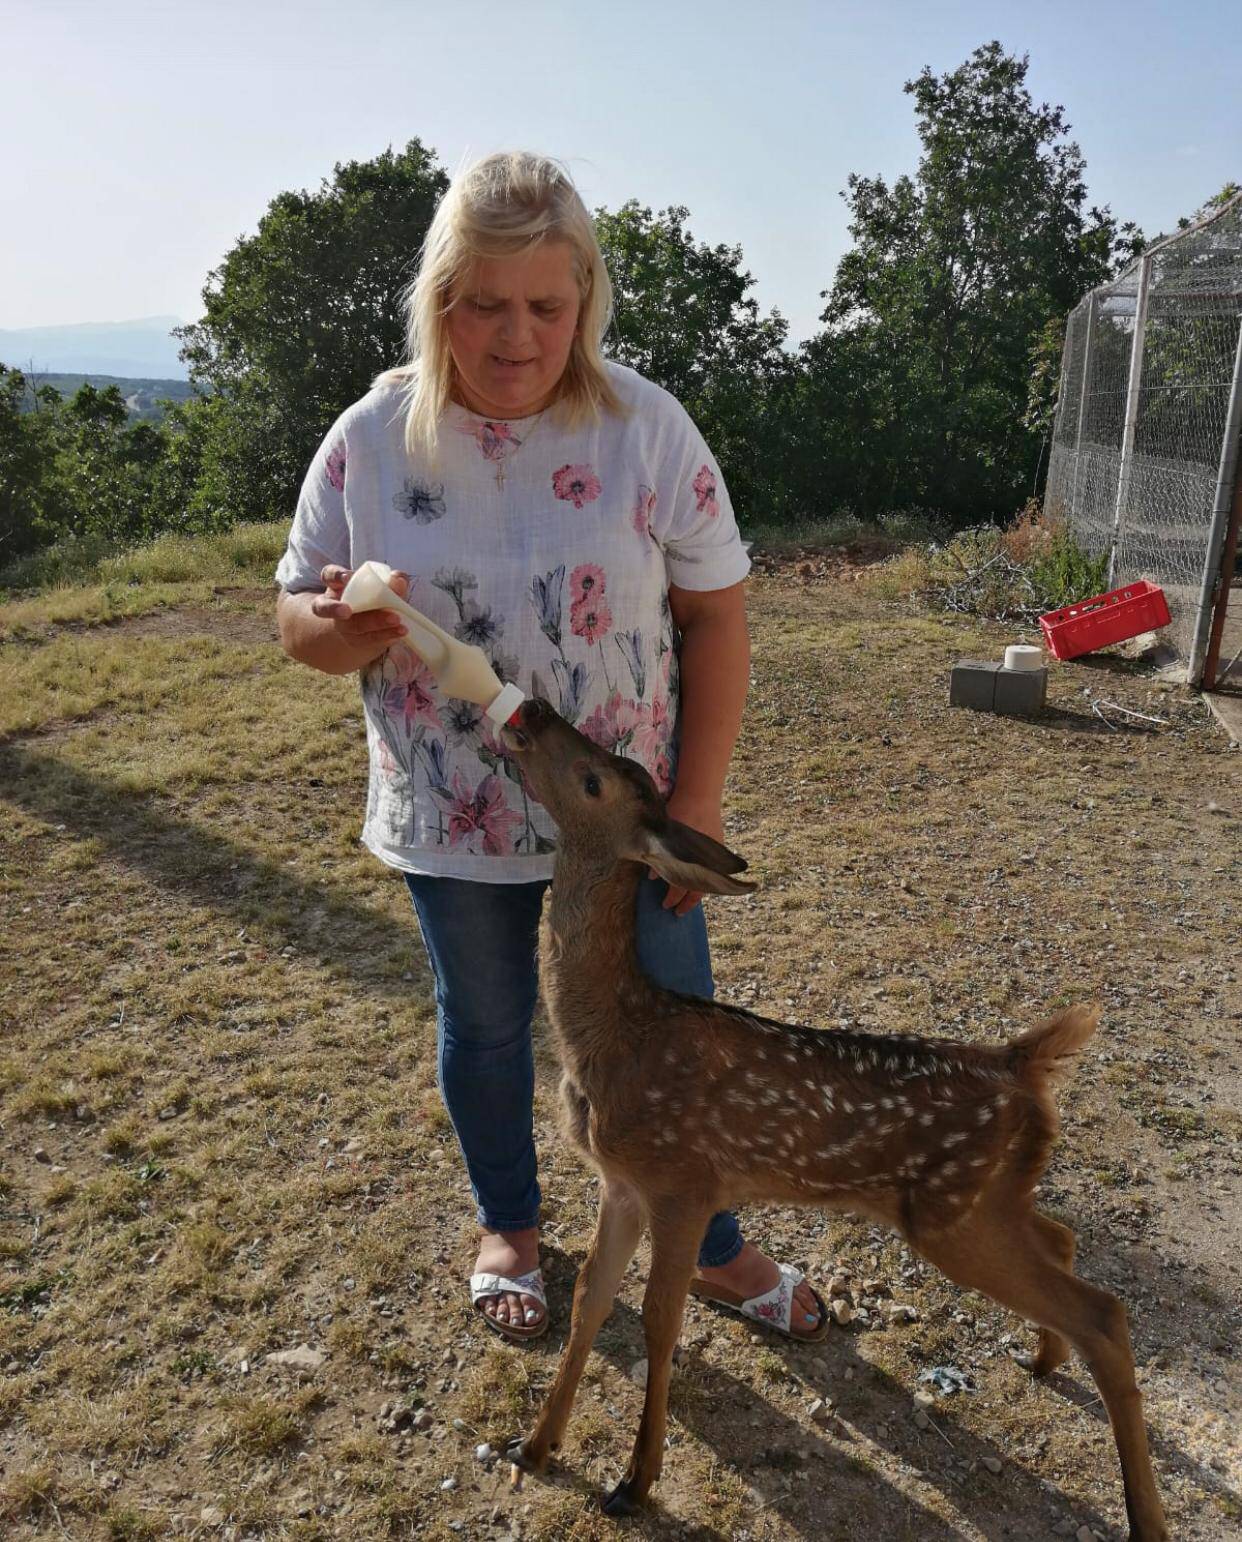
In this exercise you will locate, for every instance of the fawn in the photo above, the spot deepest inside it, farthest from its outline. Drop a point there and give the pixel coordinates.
(686, 1106)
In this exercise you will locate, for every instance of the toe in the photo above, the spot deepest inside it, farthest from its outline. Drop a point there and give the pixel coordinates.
(531, 1312)
(806, 1309)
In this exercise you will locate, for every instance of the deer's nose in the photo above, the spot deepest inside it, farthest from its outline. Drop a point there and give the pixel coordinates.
(535, 713)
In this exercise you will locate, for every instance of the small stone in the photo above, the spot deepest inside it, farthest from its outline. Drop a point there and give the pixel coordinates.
(353, 1145)
(303, 1358)
(1086, 1534)
(459, 1424)
(994, 1464)
(842, 1312)
(839, 1285)
(638, 1373)
(448, 1485)
(483, 1453)
(821, 1411)
(40, 1155)
(899, 1312)
(423, 1420)
(921, 1421)
(211, 1515)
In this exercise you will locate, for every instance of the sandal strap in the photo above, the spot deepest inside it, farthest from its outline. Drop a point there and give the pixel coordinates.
(775, 1307)
(497, 1284)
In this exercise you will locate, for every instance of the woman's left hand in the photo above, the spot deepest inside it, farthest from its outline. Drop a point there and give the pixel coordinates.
(699, 814)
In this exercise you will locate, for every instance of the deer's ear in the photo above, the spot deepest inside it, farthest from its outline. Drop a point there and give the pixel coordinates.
(688, 859)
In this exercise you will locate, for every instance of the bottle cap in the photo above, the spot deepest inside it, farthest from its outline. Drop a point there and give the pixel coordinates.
(505, 705)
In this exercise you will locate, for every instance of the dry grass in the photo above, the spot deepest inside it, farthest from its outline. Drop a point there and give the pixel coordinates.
(222, 1136)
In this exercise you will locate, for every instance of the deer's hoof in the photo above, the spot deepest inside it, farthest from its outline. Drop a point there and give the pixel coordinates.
(622, 1501)
(1039, 1365)
(518, 1452)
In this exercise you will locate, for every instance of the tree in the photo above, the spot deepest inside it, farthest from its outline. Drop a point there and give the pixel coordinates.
(299, 318)
(933, 315)
(26, 451)
(685, 318)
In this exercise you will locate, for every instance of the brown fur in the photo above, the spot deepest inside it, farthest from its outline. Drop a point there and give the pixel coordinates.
(686, 1106)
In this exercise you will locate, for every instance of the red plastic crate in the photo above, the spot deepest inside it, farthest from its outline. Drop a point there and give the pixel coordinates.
(1103, 619)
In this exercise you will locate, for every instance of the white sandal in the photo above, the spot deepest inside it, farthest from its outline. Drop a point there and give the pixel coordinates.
(774, 1309)
(483, 1285)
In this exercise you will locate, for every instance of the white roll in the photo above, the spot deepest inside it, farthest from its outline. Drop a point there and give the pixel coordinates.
(1023, 656)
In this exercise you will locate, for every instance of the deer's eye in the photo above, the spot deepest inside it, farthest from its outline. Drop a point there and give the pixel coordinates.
(591, 785)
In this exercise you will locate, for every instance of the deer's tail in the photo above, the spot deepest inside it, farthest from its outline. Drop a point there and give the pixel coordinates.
(1050, 1051)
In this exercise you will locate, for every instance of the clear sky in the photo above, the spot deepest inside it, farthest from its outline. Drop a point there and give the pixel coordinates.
(141, 138)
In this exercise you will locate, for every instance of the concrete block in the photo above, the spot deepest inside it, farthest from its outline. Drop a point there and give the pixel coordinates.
(973, 684)
(1020, 692)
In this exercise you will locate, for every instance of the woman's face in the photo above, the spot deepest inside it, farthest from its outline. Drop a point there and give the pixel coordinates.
(511, 328)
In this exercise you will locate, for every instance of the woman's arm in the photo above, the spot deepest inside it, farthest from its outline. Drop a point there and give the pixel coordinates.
(317, 629)
(715, 674)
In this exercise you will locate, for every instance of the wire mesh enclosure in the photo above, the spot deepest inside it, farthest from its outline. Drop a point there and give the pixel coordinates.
(1144, 462)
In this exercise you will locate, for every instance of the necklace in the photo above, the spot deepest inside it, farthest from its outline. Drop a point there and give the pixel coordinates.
(498, 443)
(504, 445)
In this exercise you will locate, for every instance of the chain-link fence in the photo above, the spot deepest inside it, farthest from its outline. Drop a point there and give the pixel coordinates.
(1145, 447)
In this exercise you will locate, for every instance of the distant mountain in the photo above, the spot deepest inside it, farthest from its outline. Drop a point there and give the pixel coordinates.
(134, 350)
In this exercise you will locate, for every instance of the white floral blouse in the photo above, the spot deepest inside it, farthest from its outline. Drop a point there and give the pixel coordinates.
(553, 551)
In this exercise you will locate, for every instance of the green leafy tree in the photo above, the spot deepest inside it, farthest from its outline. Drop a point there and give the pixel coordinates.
(27, 453)
(298, 319)
(684, 317)
(933, 315)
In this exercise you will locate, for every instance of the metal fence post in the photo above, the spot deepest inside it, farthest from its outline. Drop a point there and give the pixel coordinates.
(1220, 521)
(1082, 395)
(1132, 406)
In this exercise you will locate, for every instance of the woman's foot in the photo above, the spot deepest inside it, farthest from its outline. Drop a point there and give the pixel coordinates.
(753, 1273)
(512, 1254)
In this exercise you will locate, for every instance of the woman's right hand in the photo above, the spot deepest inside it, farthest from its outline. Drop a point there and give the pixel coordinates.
(368, 628)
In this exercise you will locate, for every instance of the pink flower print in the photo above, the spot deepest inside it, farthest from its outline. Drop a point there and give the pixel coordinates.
(705, 492)
(653, 726)
(336, 467)
(411, 699)
(662, 774)
(643, 511)
(590, 617)
(576, 484)
(495, 440)
(388, 766)
(585, 581)
(612, 724)
(479, 818)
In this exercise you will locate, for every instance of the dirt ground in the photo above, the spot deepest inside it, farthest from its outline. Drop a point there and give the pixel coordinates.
(222, 1138)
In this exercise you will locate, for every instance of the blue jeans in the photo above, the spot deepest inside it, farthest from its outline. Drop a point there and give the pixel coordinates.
(482, 940)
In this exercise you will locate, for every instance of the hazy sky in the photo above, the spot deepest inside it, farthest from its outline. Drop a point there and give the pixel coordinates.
(140, 140)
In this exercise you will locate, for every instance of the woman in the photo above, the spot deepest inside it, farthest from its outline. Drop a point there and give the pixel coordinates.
(564, 514)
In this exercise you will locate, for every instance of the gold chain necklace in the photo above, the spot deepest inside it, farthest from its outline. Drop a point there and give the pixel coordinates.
(501, 458)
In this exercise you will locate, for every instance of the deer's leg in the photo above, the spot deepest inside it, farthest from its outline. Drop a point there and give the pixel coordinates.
(676, 1232)
(1058, 1243)
(617, 1230)
(1007, 1257)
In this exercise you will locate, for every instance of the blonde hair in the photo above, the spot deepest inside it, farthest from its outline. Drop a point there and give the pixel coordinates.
(502, 205)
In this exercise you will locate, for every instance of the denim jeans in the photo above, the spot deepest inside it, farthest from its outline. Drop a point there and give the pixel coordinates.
(482, 940)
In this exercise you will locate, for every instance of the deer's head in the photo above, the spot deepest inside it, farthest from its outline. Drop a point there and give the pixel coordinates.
(607, 806)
